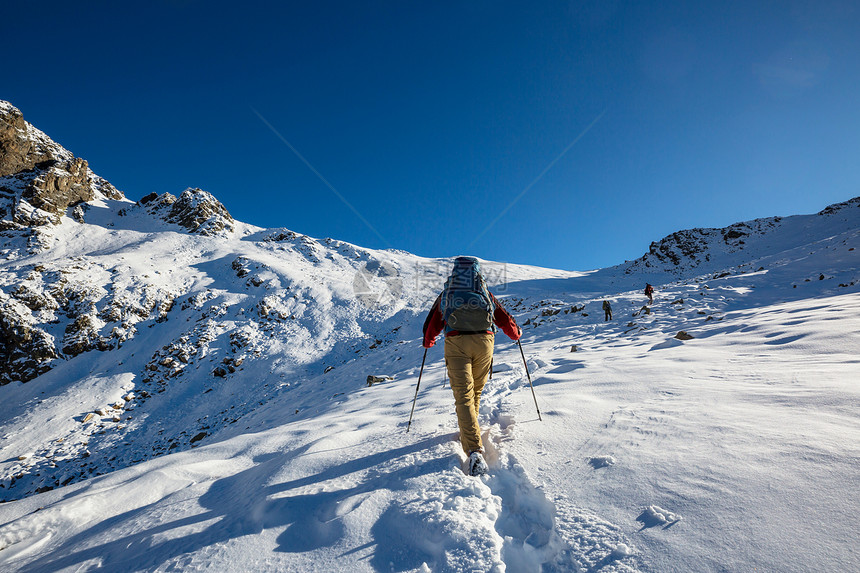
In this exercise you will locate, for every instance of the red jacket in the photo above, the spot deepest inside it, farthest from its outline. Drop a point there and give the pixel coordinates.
(434, 323)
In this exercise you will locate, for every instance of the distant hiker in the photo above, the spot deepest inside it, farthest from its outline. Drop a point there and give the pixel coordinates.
(607, 310)
(468, 313)
(649, 292)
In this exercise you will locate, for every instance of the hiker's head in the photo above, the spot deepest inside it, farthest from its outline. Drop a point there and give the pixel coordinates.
(466, 270)
(466, 263)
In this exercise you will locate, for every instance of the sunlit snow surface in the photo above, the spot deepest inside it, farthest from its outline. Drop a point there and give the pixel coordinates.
(736, 450)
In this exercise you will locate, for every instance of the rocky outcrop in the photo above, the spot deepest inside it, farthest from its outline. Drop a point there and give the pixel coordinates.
(18, 151)
(27, 350)
(57, 313)
(195, 210)
(39, 179)
(839, 207)
(713, 250)
(201, 213)
(692, 248)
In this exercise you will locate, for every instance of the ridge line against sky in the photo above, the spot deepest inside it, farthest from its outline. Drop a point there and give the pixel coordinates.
(426, 119)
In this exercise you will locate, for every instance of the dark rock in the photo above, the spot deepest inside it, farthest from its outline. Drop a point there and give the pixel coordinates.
(199, 212)
(733, 234)
(27, 351)
(148, 198)
(17, 149)
(81, 335)
(371, 379)
(645, 309)
(683, 336)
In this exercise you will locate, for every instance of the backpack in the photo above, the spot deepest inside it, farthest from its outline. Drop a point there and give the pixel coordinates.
(466, 304)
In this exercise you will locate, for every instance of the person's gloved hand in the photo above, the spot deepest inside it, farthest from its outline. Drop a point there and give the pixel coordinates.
(428, 343)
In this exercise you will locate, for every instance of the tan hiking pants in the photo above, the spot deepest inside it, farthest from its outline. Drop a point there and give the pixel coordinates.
(469, 358)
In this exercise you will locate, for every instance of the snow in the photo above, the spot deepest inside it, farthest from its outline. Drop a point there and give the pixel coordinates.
(734, 450)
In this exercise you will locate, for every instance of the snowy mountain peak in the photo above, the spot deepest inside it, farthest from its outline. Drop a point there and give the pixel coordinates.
(196, 210)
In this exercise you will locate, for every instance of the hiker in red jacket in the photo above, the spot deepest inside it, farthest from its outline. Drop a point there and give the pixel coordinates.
(468, 313)
(649, 292)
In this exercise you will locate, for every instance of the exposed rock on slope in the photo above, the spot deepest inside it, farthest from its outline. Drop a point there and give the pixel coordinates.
(27, 350)
(20, 149)
(841, 207)
(39, 179)
(58, 311)
(195, 210)
(711, 249)
(689, 248)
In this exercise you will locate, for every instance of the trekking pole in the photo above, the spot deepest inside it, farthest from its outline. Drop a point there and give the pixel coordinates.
(530, 378)
(416, 390)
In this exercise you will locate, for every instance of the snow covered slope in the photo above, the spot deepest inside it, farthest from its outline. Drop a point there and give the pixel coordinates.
(206, 404)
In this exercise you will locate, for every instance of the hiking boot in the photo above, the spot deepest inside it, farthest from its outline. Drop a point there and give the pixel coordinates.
(477, 464)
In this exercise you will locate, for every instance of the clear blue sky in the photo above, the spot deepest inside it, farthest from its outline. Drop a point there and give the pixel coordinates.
(430, 118)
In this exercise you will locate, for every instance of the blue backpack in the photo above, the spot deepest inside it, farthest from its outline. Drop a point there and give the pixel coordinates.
(466, 303)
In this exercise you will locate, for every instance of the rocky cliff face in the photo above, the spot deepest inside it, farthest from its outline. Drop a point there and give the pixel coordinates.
(39, 179)
(20, 147)
(50, 313)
